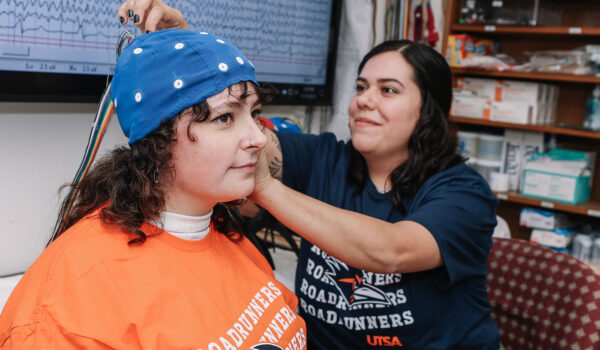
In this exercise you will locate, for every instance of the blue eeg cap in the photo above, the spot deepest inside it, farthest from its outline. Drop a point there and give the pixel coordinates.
(159, 74)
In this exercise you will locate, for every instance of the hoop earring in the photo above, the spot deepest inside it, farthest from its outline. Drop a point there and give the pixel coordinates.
(156, 176)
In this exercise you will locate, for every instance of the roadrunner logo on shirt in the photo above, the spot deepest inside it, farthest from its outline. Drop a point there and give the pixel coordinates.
(266, 347)
(361, 301)
(353, 287)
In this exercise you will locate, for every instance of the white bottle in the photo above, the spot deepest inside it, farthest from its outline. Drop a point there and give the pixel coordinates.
(582, 247)
(592, 112)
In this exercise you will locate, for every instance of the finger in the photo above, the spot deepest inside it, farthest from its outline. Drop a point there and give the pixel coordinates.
(154, 19)
(122, 13)
(139, 12)
(130, 7)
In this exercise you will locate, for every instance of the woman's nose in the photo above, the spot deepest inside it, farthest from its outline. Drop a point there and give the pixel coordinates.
(256, 138)
(365, 99)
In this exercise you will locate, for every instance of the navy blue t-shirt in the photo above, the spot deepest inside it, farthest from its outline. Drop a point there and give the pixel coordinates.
(348, 308)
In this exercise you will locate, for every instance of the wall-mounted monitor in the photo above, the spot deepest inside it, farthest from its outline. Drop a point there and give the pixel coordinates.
(64, 51)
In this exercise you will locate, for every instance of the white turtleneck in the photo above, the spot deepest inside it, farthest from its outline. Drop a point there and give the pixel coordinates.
(191, 228)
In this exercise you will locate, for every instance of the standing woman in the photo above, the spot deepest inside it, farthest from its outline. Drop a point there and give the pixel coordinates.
(148, 257)
(398, 236)
(397, 229)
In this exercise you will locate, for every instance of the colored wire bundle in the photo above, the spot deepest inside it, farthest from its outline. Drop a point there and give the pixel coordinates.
(101, 122)
(124, 37)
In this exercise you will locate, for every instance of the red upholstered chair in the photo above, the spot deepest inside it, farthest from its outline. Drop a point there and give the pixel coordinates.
(542, 299)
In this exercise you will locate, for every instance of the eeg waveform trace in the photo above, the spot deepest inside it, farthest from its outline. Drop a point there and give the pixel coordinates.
(287, 40)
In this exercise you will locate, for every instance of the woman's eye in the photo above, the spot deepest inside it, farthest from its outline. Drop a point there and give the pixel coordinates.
(388, 90)
(256, 113)
(360, 88)
(224, 118)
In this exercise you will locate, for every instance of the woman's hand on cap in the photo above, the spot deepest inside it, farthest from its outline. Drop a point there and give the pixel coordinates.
(151, 15)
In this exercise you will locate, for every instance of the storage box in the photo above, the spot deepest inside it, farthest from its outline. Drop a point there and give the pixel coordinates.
(557, 239)
(485, 88)
(470, 107)
(461, 46)
(518, 147)
(543, 219)
(526, 93)
(512, 157)
(512, 90)
(561, 175)
(551, 104)
(511, 112)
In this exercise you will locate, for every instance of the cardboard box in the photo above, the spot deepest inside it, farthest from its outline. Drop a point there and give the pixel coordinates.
(533, 143)
(537, 113)
(543, 105)
(461, 46)
(560, 175)
(551, 104)
(511, 112)
(518, 147)
(543, 219)
(485, 88)
(557, 239)
(567, 187)
(513, 90)
(470, 107)
(526, 93)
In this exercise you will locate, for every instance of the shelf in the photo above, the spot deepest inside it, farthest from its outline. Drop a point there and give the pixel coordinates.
(530, 30)
(591, 208)
(586, 79)
(541, 128)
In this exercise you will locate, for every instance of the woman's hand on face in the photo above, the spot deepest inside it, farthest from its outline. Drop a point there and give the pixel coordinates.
(151, 15)
(262, 176)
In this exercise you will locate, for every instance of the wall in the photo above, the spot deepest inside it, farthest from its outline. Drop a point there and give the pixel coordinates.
(354, 42)
(41, 146)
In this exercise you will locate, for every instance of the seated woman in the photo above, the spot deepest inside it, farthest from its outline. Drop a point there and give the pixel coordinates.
(148, 258)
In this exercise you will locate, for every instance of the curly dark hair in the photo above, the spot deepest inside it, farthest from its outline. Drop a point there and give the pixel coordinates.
(432, 147)
(123, 184)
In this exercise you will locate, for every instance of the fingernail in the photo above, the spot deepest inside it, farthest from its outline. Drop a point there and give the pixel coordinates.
(136, 19)
(121, 19)
(130, 13)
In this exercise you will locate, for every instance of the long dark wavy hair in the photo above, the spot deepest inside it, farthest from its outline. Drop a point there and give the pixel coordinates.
(129, 183)
(432, 146)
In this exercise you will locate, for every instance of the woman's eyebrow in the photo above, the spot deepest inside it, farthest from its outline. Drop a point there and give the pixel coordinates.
(388, 80)
(381, 80)
(237, 103)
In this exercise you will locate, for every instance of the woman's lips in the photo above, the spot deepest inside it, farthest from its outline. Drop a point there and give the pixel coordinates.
(248, 167)
(361, 121)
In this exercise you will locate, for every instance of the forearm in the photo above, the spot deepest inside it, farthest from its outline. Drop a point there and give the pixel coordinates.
(273, 153)
(359, 240)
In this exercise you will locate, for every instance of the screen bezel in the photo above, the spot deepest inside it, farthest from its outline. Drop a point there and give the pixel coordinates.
(21, 86)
